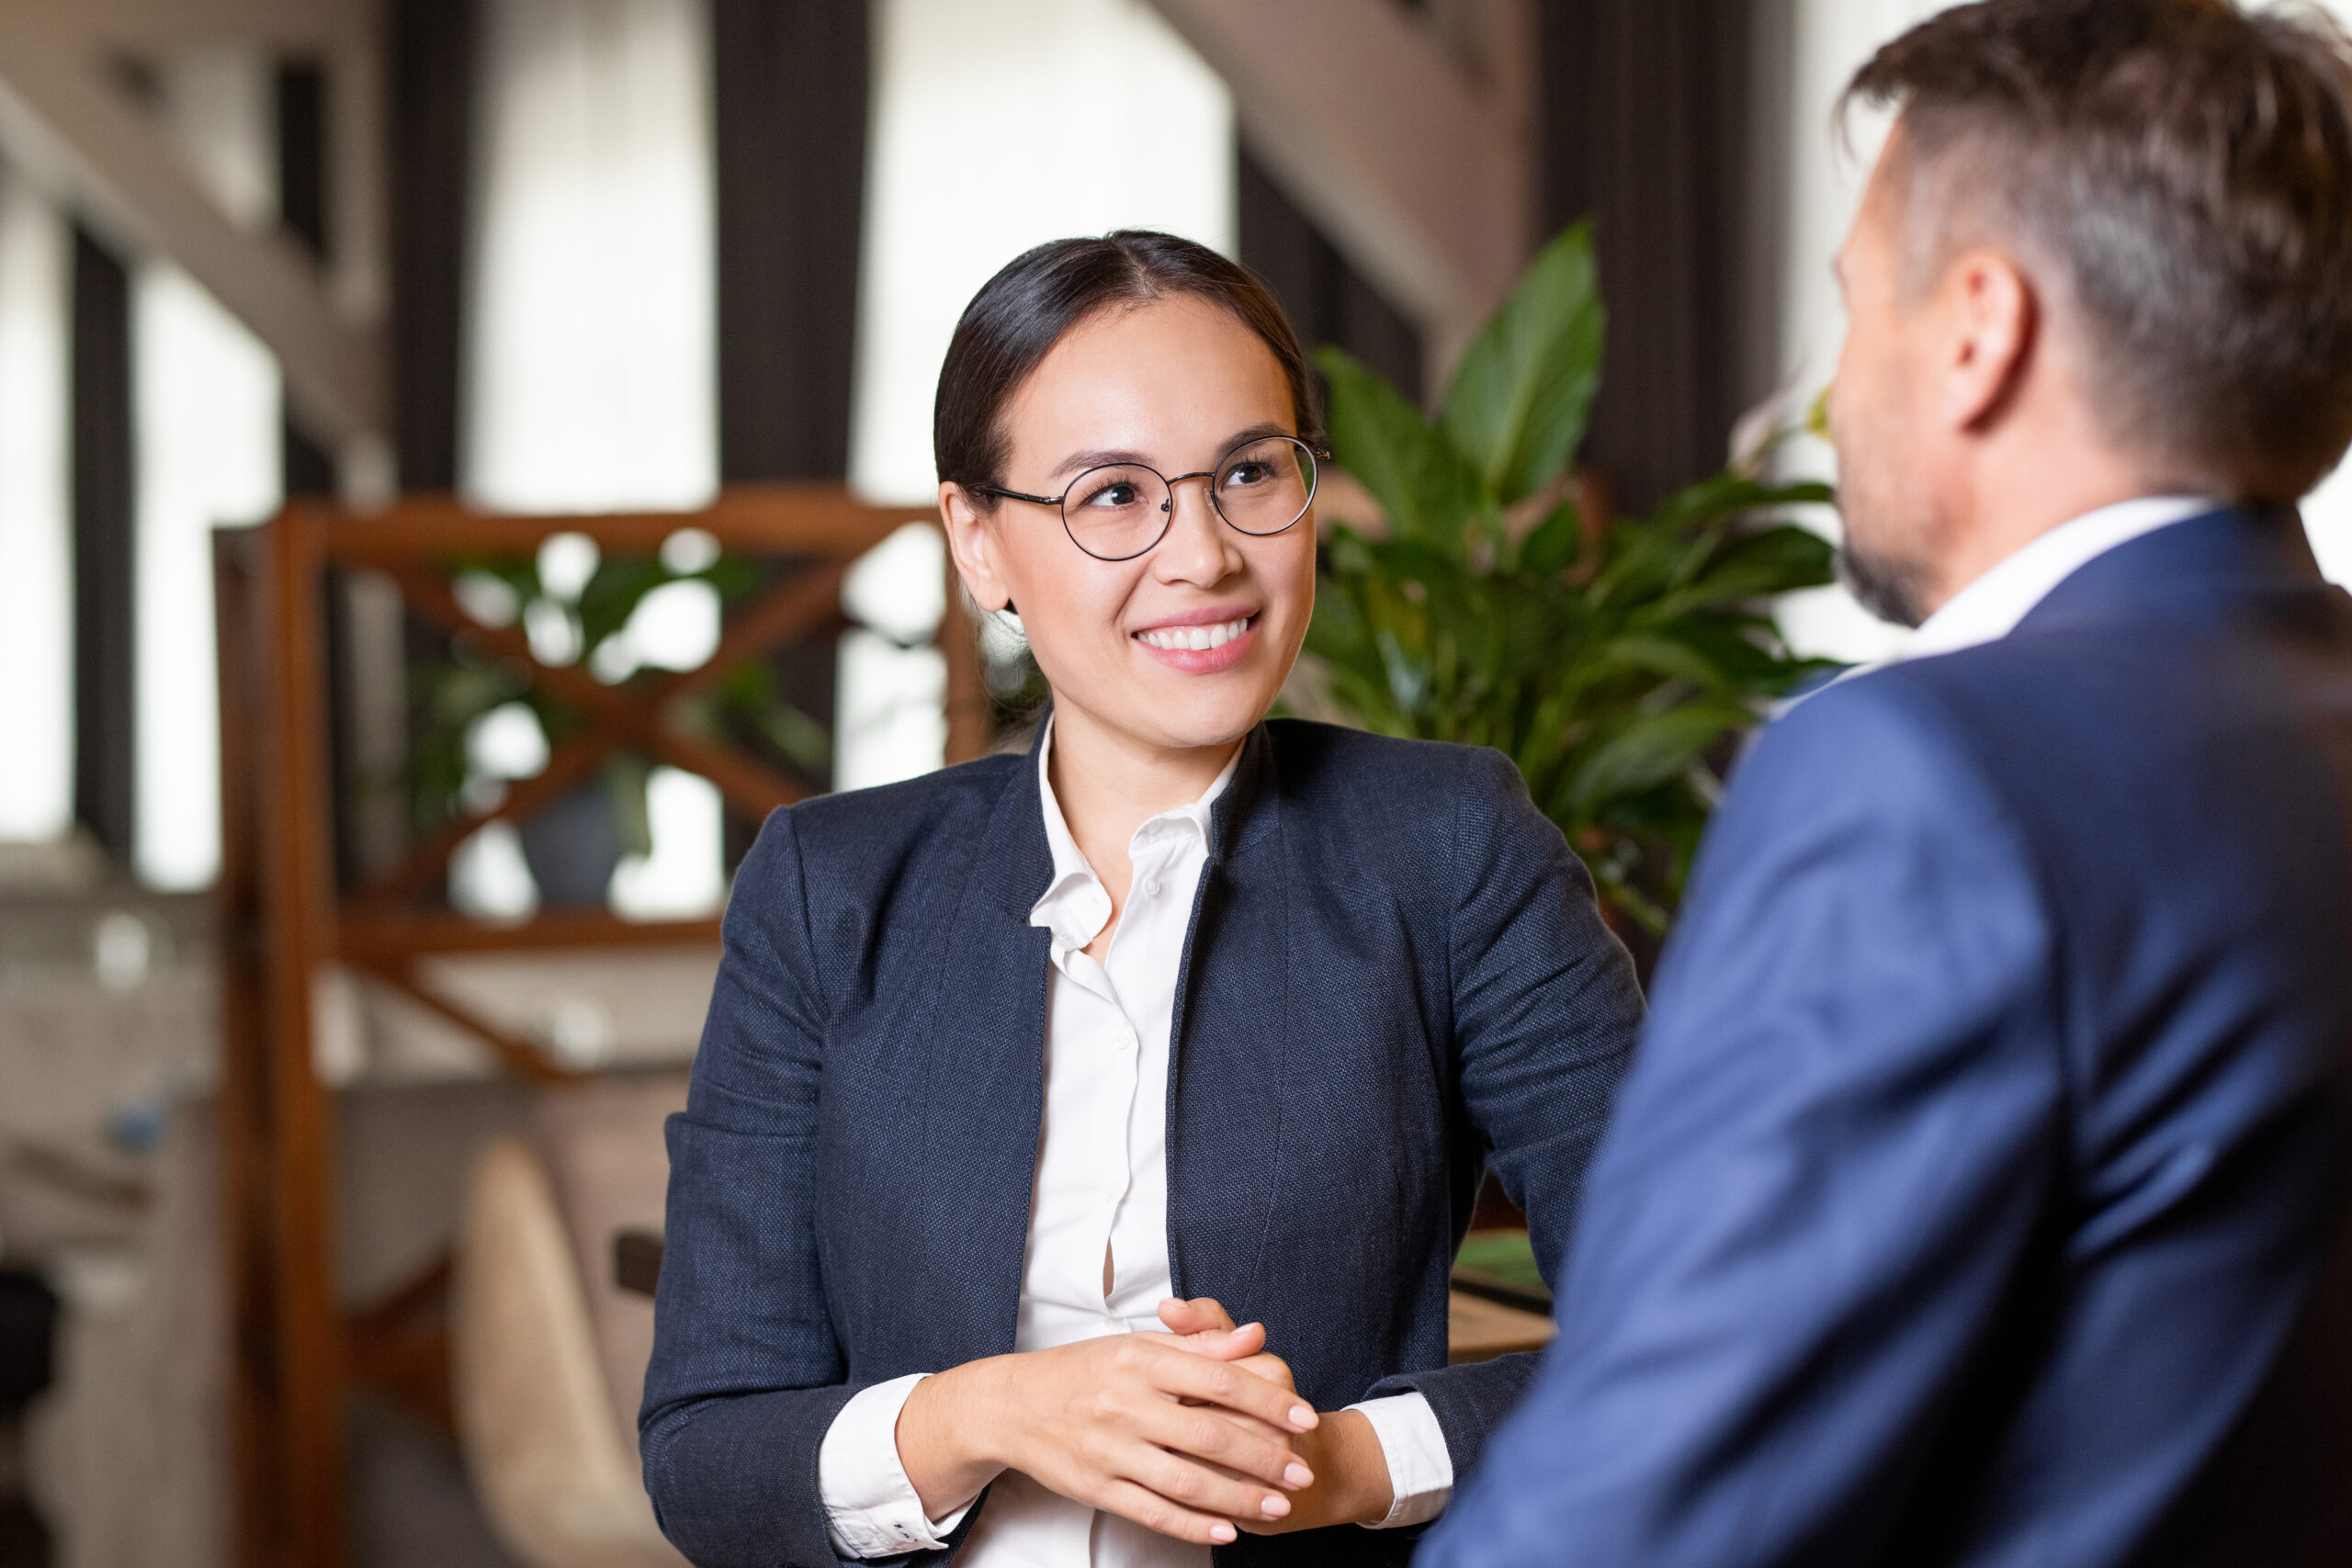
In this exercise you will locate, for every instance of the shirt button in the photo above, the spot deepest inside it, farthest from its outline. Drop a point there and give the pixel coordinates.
(1151, 886)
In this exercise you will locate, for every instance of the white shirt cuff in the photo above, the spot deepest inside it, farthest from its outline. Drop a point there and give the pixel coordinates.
(1421, 1470)
(871, 1508)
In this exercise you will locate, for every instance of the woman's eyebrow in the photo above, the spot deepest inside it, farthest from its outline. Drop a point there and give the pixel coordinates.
(1079, 462)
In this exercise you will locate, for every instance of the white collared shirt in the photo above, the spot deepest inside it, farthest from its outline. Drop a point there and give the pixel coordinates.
(1990, 608)
(1101, 1184)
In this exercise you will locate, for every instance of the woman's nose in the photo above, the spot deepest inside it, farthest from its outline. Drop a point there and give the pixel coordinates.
(1196, 548)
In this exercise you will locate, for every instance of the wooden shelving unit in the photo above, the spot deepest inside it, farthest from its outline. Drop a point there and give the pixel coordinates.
(296, 1351)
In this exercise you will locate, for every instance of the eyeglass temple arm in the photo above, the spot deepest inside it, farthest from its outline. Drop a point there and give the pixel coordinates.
(1004, 495)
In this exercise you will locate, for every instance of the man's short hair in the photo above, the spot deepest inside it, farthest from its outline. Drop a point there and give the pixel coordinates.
(2186, 166)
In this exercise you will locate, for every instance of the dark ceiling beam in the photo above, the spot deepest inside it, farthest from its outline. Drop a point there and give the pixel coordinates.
(65, 114)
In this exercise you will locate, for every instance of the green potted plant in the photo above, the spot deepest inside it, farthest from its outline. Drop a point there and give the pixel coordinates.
(1616, 659)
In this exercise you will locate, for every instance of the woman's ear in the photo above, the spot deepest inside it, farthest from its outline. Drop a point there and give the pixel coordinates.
(969, 542)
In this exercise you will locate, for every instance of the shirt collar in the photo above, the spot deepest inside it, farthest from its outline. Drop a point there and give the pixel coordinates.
(1075, 907)
(1990, 608)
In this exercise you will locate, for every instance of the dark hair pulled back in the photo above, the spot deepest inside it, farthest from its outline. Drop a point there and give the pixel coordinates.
(1021, 313)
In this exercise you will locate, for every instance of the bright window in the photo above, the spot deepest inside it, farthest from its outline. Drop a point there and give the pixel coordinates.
(36, 524)
(206, 407)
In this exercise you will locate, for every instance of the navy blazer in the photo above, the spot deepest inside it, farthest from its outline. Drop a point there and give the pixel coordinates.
(1394, 975)
(1974, 1198)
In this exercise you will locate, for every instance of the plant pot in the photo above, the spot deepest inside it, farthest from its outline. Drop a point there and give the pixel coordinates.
(573, 846)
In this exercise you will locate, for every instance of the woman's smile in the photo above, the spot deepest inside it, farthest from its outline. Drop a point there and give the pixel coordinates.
(1199, 642)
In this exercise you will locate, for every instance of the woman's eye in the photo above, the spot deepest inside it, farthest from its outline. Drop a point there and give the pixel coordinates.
(1242, 475)
(1120, 493)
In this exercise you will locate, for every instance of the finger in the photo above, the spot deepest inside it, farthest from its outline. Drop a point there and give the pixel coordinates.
(1223, 1344)
(1183, 1376)
(1235, 1443)
(1197, 1315)
(1201, 1488)
(1152, 1511)
(1273, 1369)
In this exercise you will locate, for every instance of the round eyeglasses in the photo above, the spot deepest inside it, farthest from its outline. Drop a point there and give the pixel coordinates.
(1120, 510)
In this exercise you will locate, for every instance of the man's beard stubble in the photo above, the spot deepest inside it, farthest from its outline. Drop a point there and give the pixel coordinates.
(1882, 511)
(1890, 589)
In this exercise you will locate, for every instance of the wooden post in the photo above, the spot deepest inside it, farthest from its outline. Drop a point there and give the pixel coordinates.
(298, 929)
(244, 1045)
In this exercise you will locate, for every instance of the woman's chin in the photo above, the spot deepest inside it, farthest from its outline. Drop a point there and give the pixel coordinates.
(1185, 720)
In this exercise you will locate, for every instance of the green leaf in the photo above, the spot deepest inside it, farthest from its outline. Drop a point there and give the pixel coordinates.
(1519, 402)
(1651, 750)
(1381, 438)
(1800, 553)
(1661, 656)
(1727, 495)
(1414, 560)
(1756, 566)
(1555, 543)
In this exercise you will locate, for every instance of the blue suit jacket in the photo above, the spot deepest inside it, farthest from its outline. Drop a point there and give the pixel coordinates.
(1974, 1198)
(1394, 974)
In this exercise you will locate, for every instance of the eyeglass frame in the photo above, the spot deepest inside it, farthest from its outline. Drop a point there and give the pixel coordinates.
(1061, 503)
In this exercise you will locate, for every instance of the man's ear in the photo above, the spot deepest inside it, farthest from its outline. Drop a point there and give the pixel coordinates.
(1991, 326)
(968, 542)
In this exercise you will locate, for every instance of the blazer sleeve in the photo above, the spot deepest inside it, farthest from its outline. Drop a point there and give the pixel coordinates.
(747, 1372)
(1547, 1009)
(1836, 1147)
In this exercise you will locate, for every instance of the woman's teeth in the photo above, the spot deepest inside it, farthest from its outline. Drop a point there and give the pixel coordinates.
(1195, 638)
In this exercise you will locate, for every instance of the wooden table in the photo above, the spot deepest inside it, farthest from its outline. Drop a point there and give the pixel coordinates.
(1480, 1329)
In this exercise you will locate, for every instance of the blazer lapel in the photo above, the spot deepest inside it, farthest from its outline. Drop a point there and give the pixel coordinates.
(984, 1102)
(1225, 1066)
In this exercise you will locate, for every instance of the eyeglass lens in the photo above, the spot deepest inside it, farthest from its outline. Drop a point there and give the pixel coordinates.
(1120, 510)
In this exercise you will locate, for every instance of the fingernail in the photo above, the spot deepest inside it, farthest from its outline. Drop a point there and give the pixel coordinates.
(1275, 1506)
(1298, 1475)
(1301, 1416)
(1221, 1533)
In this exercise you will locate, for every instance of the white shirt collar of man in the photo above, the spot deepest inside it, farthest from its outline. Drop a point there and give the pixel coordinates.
(1075, 907)
(1990, 608)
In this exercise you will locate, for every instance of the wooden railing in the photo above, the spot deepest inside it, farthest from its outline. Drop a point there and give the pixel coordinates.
(296, 1351)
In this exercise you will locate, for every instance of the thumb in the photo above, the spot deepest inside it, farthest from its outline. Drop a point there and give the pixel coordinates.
(1208, 1330)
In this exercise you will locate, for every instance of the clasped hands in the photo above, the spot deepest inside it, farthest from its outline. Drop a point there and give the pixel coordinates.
(1197, 1433)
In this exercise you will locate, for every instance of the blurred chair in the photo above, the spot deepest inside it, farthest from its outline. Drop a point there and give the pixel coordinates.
(549, 1354)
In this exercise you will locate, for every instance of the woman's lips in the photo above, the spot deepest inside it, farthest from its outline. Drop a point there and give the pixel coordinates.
(1200, 651)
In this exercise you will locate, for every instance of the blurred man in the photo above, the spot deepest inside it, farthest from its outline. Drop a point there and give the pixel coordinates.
(1979, 1194)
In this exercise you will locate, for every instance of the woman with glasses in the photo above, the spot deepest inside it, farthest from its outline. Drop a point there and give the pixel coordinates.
(1025, 1081)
